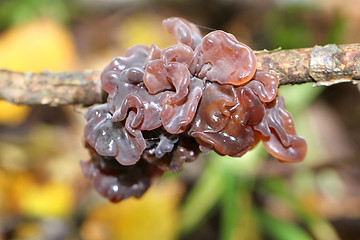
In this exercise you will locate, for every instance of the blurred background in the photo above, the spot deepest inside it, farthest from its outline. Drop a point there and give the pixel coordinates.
(43, 194)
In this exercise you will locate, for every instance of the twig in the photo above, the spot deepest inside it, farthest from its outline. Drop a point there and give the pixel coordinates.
(320, 65)
(54, 89)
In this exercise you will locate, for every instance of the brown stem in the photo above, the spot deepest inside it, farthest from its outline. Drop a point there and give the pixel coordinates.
(320, 65)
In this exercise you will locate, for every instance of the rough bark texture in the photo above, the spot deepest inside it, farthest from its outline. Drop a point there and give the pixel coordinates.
(322, 65)
(326, 65)
(54, 89)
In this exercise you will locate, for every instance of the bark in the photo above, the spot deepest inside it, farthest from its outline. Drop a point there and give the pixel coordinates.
(321, 65)
(54, 89)
(326, 65)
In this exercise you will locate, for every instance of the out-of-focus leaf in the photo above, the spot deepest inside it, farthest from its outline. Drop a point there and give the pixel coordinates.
(318, 226)
(18, 11)
(297, 98)
(35, 46)
(144, 29)
(4, 191)
(39, 45)
(238, 217)
(285, 30)
(336, 32)
(330, 184)
(279, 229)
(12, 158)
(247, 226)
(28, 230)
(48, 199)
(153, 216)
(11, 114)
(229, 211)
(236, 206)
(203, 197)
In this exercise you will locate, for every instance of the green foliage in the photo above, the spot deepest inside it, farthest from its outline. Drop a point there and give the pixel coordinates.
(203, 197)
(336, 32)
(298, 97)
(18, 11)
(318, 226)
(280, 229)
(286, 28)
(298, 26)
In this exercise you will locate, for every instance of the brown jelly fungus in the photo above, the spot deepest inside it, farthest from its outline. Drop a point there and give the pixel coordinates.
(165, 106)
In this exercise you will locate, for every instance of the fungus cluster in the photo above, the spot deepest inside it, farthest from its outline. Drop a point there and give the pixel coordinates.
(165, 106)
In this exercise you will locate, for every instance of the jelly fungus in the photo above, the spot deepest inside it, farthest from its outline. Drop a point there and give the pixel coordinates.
(165, 106)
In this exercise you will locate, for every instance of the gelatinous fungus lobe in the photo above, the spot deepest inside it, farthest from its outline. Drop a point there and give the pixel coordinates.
(115, 181)
(110, 138)
(184, 31)
(221, 58)
(225, 117)
(278, 133)
(123, 81)
(168, 71)
(164, 106)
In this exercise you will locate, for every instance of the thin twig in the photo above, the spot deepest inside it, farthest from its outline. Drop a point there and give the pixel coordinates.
(54, 89)
(320, 65)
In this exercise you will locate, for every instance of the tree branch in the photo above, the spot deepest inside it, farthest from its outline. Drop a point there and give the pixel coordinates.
(320, 65)
(54, 89)
(326, 65)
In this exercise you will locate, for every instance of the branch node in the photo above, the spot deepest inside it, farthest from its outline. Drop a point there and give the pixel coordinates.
(328, 66)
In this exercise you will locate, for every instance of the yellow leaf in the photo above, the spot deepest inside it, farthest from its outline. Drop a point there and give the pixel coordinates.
(27, 230)
(144, 29)
(5, 182)
(36, 46)
(11, 114)
(39, 45)
(42, 199)
(154, 216)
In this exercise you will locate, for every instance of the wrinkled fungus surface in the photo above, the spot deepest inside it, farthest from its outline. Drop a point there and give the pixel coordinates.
(164, 106)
